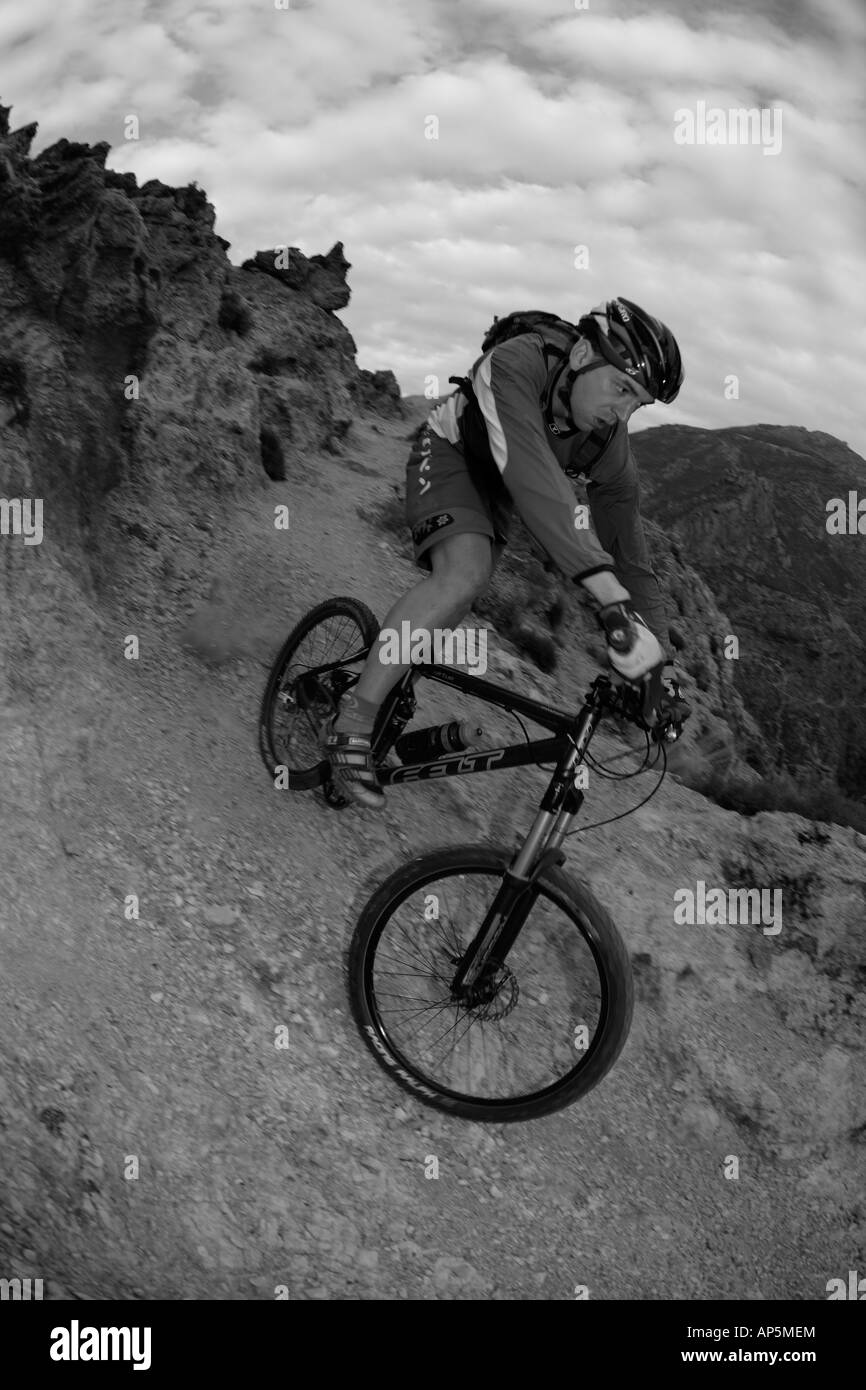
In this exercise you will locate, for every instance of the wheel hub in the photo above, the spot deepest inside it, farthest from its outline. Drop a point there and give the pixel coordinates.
(493, 996)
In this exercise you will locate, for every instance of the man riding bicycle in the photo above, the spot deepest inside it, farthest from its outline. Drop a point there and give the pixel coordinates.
(527, 414)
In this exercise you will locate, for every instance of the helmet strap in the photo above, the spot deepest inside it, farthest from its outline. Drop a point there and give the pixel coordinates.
(563, 395)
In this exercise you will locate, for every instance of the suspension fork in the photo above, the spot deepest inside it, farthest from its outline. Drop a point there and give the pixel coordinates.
(541, 849)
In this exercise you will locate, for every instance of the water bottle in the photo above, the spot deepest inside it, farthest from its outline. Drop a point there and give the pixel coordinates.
(424, 744)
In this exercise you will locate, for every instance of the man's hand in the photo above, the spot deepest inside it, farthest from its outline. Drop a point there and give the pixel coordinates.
(632, 650)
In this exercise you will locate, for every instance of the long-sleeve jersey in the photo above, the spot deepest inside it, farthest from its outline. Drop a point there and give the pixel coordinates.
(509, 383)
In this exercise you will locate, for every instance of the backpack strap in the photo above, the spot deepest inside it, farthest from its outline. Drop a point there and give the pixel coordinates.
(476, 443)
(477, 453)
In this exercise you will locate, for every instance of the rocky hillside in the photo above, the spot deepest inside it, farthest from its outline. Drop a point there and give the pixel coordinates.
(748, 509)
(162, 404)
(128, 337)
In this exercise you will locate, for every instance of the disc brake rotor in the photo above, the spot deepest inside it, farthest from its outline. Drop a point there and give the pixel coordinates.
(493, 998)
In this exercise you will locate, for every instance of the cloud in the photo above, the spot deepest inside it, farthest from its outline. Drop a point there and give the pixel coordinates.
(555, 129)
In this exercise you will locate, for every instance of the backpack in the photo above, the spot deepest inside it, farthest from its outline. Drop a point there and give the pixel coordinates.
(559, 336)
(530, 321)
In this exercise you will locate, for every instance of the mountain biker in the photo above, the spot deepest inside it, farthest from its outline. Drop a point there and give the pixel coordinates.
(505, 441)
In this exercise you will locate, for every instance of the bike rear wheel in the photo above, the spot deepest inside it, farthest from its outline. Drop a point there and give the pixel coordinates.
(548, 1028)
(305, 683)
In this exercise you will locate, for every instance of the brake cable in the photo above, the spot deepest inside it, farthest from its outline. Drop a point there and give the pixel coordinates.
(594, 825)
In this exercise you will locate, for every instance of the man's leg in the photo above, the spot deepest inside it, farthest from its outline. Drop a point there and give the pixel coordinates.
(460, 570)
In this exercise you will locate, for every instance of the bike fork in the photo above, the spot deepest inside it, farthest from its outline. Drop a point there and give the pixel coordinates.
(541, 848)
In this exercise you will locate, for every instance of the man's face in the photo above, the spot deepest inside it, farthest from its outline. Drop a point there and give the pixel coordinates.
(601, 397)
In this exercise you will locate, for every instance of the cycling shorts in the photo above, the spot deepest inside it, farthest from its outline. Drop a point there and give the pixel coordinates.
(443, 500)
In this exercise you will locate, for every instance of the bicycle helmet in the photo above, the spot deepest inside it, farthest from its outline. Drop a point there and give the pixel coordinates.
(630, 339)
(638, 344)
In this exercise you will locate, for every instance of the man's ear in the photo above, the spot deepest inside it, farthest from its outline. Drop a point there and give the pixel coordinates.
(581, 353)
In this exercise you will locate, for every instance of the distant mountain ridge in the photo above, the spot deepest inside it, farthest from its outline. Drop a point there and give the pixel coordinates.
(748, 506)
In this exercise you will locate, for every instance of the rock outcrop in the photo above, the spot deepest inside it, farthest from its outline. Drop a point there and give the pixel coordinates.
(142, 375)
(321, 278)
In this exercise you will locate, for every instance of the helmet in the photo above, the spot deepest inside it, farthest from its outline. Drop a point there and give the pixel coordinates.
(643, 347)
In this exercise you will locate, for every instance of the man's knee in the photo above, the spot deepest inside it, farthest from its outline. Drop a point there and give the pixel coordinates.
(463, 564)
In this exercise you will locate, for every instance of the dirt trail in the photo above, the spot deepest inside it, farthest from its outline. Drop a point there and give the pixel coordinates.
(153, 1041)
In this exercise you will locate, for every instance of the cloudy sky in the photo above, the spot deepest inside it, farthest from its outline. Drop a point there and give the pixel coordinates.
(555, 123)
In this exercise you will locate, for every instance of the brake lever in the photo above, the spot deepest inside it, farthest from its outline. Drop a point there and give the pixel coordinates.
(653, 690)
(645, 697)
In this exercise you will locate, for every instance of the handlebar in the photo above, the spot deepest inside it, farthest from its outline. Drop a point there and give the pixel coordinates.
(638, 703)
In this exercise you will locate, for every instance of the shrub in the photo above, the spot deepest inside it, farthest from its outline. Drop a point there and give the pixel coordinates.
(234, 313)
(13, 389)
(266, 361)
(273, 460)
(389, 516)
(780, 792)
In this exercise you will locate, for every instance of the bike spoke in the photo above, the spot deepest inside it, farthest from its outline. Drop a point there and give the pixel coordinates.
(517, 1034)
(295, 731)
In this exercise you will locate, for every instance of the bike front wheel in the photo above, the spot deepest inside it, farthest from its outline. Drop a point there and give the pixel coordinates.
(550, 1023)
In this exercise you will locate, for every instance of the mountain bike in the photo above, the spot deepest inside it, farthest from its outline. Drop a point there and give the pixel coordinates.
(487, 982)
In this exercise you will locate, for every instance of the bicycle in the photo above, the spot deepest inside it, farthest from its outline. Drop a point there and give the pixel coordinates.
(412, 934)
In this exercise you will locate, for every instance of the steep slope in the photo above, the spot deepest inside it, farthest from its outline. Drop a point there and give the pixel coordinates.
(156, 1141)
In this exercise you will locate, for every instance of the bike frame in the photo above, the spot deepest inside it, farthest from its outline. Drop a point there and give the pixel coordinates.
(561, 802)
